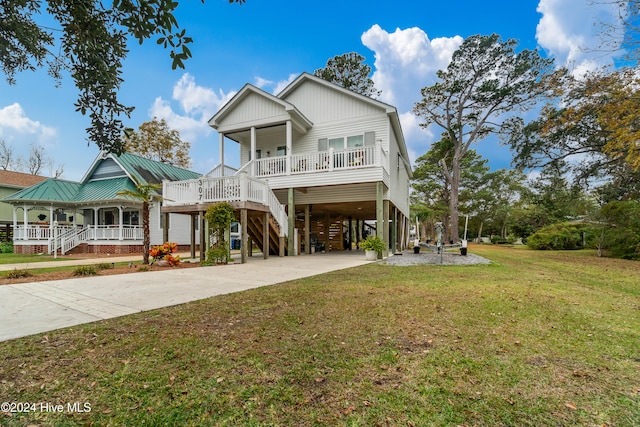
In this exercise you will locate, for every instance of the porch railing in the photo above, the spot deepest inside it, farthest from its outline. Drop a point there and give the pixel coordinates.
(238, 188)
(93, 232)
(323, 161)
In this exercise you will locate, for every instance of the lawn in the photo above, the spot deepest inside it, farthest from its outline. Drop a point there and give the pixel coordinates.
(11, 258)
(535, 339)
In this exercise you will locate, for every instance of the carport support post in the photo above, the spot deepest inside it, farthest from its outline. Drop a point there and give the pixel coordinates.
(394, 231)
(244, 246)
(203, 238)
(307, 229)
(265, 235)
(292, 223)
(385, 236)
(379, 211)
(165, 229)
(193, 236)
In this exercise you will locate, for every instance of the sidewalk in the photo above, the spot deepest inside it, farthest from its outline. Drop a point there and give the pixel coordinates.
(31, 308)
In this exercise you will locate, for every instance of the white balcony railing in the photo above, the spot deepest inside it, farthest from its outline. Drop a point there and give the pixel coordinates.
(323, 161)
(239, 188)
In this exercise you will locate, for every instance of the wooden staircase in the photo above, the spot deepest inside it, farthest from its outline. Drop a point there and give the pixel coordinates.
(254, 229)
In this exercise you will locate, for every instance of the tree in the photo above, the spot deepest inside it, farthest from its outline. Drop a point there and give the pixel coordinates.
(8, 159)
(485, 80)
(144, 193)
(156, 141)
(621, 35)
(92, 46)
(350, 72)
(595, 120)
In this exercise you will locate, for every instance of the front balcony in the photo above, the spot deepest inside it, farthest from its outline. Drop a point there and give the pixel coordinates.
(319, 162)
(93, 232)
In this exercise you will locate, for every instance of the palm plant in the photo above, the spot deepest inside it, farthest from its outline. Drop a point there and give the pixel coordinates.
(144, 192)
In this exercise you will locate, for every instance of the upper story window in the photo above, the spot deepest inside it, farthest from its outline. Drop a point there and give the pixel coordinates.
(340, 143)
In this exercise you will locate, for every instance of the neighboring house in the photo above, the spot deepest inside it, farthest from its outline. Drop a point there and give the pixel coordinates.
(89, 216)
(10, 182)
(334, 159)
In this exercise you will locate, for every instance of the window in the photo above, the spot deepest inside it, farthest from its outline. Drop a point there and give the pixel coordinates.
(281, 151)
(355, 141)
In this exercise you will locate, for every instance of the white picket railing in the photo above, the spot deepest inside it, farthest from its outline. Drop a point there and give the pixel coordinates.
(238, 188)
(323, 161)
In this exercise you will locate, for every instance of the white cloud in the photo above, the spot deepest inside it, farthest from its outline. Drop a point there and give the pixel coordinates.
(14, 124)
(570, 31)
(405, 62)
(196, 106)
(279, 87)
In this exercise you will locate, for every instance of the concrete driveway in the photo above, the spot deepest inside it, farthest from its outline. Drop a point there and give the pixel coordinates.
(31, 308)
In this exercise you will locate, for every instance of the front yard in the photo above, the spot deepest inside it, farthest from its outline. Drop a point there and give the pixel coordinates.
(537, 338)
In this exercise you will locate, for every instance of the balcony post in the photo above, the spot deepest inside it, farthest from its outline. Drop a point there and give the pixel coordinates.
(25, 216)
(289, 146)
(252, 156)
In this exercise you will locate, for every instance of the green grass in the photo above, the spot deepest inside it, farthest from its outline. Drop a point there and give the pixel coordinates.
(23, 259)
(535, 339)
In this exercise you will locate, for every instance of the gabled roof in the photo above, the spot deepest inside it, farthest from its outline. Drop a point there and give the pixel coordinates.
(105, 188)
(143, 170)
(298, 119)
(18, 179)
(391, 111)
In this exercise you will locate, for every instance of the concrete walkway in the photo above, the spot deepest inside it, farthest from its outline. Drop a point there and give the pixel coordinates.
(31, 308)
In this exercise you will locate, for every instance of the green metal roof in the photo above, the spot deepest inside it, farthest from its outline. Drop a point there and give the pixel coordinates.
(50, 190)
(152, 172)
(144, 170)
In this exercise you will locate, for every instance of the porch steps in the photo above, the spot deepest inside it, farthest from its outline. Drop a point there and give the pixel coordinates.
(254, 229)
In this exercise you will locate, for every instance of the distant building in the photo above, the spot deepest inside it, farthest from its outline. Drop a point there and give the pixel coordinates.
(10, 182)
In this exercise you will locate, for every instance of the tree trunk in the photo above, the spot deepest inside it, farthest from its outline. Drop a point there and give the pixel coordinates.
(146, 240)
(480, 231)
(453, 198)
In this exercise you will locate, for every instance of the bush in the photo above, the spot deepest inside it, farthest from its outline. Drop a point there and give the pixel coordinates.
(373, 243)
(6, 247)
(217, 255)
(619, 229)
(17, 274)
(105, 266)
(561, 236)
(85, 270)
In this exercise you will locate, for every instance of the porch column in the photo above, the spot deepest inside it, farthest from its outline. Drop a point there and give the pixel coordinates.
(244, 246)
(221, 151)
(379, 210)
(265, 234)
(292, 219)
(289, 145)
(95, 223)
(25, 219)
(51, 219)
(120, 225)
(15, 220)
(307, 229)
(253, 151)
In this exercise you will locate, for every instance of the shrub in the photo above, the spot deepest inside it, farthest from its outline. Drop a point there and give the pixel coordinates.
(373, 243)
(218, 255)
(165, 252)
(85, 270)
(561, 236)
(6, 247)
(17, 274)
(104, 266)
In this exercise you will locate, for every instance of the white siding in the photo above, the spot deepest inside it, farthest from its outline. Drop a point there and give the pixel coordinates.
(179, 228)
(334, 194)
(254, 108)
(322, 105)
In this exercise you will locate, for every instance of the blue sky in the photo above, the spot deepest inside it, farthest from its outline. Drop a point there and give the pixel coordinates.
(269, 42)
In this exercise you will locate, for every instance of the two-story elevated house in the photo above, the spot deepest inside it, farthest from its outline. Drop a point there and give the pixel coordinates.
(319, 165)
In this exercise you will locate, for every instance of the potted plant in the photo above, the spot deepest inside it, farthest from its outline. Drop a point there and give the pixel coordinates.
(373, 247)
